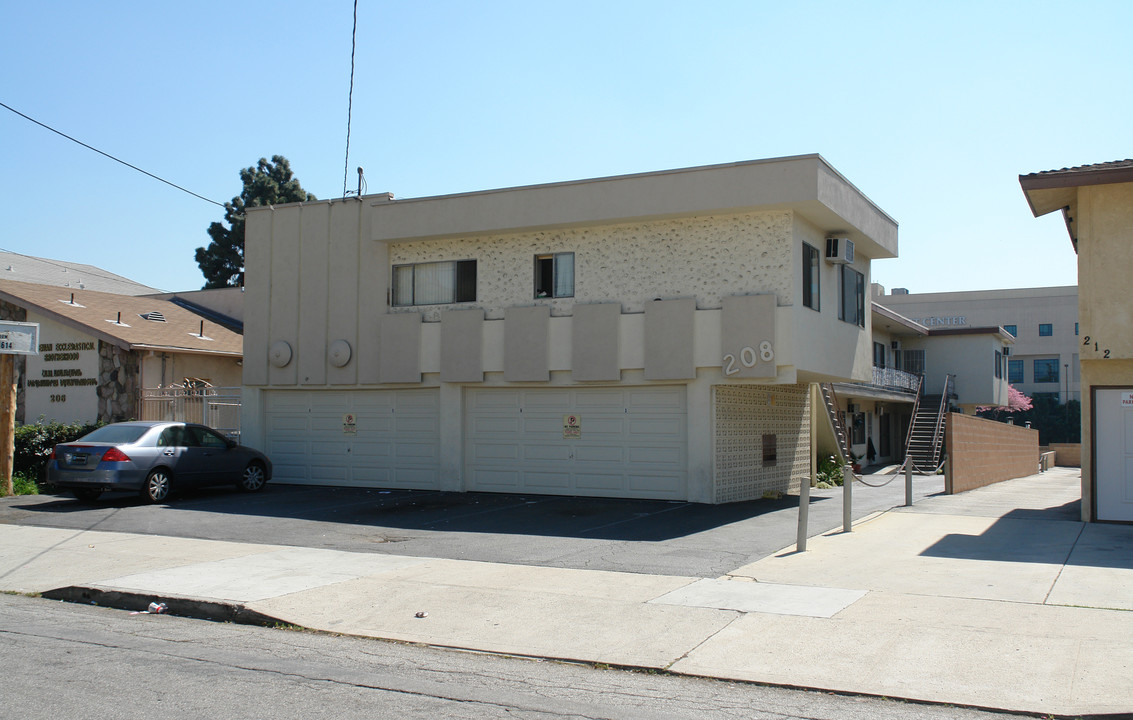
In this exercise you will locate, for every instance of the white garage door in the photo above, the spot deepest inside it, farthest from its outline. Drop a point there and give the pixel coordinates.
(628, 442)
(394, 443)
(1113, 459)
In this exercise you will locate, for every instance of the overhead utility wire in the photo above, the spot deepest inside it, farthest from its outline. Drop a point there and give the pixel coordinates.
(88, 147)
(350, 100)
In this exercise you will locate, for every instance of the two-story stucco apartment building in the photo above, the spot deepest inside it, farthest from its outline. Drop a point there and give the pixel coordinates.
(1096, 202)
(647, 335)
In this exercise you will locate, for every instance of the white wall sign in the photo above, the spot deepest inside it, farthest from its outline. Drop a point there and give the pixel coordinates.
(350, 424)
(62, 378)
(19, 338)
(1127, 399)
(572, 427)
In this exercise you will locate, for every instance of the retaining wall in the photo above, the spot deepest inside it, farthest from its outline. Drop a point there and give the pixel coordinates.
(982, 452)
(1066, 454)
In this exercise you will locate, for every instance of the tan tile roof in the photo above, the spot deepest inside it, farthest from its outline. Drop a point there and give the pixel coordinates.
(97, 313)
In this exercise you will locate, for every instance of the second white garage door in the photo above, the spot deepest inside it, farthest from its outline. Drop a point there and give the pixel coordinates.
(394, 442)
(630, 441)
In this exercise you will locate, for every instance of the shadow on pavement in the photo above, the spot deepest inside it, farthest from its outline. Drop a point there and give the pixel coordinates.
(466, 512)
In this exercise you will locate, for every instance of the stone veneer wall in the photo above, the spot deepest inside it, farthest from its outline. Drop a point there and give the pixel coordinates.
(15, 313)
(702, 257)
(744, 413)
(118, 392)
(982, 452)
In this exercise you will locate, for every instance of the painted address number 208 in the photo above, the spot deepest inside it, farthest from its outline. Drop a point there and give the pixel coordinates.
(749, 357)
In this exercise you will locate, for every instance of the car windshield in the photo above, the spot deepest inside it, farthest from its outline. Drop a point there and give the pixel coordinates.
(116, 434)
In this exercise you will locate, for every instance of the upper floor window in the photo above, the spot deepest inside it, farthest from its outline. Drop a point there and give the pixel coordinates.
(554, 275)
(1075, 328)
(1046, 329)
(851, 301)
(434, 283)
(1046, 370)
(811, 287)
(998, 365)
(1014, 371)
(1014, 330)
(879, 355)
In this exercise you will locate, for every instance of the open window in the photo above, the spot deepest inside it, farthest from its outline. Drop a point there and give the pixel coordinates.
(554, 275)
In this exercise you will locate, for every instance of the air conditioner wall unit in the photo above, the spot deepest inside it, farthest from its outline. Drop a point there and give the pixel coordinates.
(851, 408)
(894, 344)
(839, 250)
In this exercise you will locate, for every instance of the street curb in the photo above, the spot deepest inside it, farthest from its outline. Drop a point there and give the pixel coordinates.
(180, 606)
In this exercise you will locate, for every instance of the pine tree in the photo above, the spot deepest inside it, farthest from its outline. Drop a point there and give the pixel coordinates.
(268, 183)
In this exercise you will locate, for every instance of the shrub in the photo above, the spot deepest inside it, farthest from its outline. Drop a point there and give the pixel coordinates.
(34, 443)
(24, 484)
(829, 472)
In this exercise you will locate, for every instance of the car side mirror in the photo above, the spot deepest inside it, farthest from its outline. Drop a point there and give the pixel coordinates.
(231, 443)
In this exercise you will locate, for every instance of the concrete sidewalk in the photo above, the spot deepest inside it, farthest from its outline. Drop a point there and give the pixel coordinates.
(992, 598)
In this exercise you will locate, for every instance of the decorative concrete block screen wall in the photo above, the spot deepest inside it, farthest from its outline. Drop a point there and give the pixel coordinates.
(982, 452)
(762, 440)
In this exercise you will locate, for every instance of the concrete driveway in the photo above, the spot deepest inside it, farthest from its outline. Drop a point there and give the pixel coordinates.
(639, 536)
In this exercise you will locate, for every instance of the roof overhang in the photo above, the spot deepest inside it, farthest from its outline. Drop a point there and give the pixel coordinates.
(804, 184)
(1058, 189)
(895, 323)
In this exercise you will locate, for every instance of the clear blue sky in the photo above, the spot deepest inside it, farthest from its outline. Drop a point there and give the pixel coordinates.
(931, 109)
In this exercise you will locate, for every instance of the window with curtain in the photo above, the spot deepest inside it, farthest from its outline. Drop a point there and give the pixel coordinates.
(434, 283)
(554, 275)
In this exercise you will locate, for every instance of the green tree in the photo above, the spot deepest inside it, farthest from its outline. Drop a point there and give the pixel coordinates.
(268, 183)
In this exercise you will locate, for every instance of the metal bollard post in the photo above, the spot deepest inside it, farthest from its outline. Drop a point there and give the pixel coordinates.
(804, 515)
(908, 484)
(847, 497)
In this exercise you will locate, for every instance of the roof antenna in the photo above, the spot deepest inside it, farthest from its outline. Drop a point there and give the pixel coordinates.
(361, 181)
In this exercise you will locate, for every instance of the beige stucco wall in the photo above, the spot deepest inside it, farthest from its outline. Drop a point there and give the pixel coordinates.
(705, 258)
(971, 359)
(1105, 304)
(162, 369)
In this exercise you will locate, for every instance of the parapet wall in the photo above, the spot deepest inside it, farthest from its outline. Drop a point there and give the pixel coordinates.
(982, 452)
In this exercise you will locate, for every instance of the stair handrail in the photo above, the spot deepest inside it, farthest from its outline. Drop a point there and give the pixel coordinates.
(938, 431)
(913, 421)
(840, 433)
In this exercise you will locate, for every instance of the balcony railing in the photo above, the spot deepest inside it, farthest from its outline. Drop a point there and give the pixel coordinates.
(895, 379)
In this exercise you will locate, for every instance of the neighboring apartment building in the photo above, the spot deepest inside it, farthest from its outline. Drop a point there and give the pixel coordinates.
(99, 350)
(649, 335)
(908, 358)
(1043, 360)
(1096, 202)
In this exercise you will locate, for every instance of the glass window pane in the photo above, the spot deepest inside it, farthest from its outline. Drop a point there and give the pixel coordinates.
(403, 285)
(564, 275)
(434, 283)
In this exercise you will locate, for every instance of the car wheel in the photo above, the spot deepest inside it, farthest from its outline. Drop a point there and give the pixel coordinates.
(86, 494)
(253, 478)
(157, 486)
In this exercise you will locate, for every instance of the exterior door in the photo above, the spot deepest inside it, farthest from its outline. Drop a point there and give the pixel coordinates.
(1113, 453)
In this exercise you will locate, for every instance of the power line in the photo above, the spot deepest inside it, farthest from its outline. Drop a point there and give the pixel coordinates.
(350, 99)
(88, 147)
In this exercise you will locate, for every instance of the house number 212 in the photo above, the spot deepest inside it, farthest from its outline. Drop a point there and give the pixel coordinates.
(749, 357)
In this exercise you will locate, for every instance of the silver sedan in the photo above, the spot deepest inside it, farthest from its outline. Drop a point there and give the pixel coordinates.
(153, 458)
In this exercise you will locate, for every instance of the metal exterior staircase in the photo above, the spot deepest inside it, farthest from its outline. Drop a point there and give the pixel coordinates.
(925, 443)
(830, 400)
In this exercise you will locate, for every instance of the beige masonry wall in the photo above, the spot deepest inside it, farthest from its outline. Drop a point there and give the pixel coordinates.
(706, 257)
(983, 452)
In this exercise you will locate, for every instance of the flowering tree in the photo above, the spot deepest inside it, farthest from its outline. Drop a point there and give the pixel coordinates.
(1016, 402)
